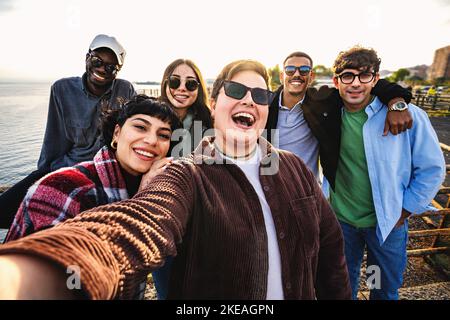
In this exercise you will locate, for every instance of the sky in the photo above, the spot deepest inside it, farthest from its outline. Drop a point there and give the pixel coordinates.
(48, 39)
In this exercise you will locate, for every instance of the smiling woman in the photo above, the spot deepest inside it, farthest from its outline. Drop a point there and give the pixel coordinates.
(137, 140)
(183, 88)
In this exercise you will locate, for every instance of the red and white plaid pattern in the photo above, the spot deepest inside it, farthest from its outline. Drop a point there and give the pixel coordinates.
(65, 193)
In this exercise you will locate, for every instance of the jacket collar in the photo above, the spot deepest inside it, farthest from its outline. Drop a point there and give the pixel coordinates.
(206, 152)
(88, 93)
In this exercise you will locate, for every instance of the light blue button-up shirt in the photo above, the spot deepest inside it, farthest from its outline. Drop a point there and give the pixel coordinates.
(405, 170)
(294, 135)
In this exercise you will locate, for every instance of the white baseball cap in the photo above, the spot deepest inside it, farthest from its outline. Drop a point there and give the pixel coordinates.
(105, 41)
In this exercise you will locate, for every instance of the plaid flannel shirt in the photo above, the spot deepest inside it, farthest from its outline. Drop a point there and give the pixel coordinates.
(65, 193)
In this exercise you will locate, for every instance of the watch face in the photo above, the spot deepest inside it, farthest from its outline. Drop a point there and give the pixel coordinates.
(400, 106)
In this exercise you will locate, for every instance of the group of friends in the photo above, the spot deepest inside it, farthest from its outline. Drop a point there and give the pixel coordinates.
(240, 193)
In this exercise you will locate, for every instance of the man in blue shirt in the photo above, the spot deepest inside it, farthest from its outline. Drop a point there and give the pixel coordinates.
(306, 121)
(72, 133)
(380, 181)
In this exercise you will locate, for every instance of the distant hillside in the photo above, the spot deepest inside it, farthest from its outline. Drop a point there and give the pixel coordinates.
(418, 71)
(152, 83)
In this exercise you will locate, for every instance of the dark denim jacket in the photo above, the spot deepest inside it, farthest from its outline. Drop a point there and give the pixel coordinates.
(72, 134)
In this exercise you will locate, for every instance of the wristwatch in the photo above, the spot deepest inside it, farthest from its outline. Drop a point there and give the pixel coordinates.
(398, 106)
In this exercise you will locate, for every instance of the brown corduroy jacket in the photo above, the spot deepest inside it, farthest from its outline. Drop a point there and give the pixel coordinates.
(210, 217)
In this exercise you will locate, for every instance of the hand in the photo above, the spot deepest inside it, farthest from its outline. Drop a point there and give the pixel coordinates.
(25, 277)
(157, 168)
(405, 215)
(397, 121)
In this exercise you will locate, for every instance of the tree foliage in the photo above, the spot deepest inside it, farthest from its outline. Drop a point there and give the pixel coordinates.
(323, 72)
(399, 75)
(274, 74)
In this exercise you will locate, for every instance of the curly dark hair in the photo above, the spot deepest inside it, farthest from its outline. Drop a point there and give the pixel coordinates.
(357, 57)
(139, 104)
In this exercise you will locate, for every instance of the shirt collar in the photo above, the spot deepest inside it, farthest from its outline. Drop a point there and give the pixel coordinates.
(88, 93)
(374, 106)
(280, 102)
(206, 152)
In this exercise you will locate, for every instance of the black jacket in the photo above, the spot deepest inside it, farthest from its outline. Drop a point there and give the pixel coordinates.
(322, 111)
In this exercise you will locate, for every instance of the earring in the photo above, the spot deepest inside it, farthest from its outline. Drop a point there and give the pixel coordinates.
(114, 144)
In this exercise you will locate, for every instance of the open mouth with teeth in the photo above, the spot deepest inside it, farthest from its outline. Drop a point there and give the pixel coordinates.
(181, 97)
(296, 82)
(244, 119)
(98, 77)
(355, 93)
(145, 155)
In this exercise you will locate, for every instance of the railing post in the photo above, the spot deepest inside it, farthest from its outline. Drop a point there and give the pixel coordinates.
(418, 100)
(434, 102)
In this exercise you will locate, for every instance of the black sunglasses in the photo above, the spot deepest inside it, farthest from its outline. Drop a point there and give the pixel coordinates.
(97, 62)
(303, 70)
(237, 91)
(190, 84)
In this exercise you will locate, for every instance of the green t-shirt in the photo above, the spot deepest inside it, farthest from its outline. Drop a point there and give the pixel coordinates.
(352, 200)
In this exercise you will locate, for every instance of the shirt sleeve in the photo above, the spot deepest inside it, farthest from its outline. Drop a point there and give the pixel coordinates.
(386, 91)
(428, 165)
(115, 245)
(55, 144)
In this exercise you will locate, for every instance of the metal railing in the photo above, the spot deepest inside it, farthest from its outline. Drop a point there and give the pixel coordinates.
(149, 92)
(434, 102)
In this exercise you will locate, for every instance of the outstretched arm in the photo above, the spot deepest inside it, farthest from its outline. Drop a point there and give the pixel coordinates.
(112, 246)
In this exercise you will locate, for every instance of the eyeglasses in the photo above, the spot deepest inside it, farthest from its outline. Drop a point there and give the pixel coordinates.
(303, 70)
(190, 84)
(237, 91)
(97, 62)
(364, 77)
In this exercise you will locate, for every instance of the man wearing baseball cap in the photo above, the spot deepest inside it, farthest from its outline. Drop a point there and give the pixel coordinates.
(72, 133)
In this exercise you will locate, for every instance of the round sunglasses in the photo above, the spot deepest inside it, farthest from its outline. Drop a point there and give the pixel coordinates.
(175, 82)
(237, 91)
(97, 62)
